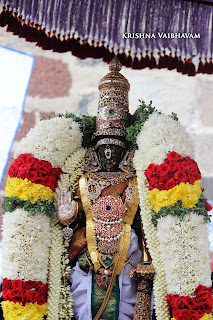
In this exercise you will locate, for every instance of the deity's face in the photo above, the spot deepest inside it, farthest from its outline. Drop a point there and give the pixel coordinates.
(110, 156)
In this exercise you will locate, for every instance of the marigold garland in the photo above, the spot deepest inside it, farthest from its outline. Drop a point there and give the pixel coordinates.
(26, 190)
(189, 194)
(16, 311)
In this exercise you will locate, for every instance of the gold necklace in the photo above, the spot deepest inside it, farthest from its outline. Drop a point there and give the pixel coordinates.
(110, 177)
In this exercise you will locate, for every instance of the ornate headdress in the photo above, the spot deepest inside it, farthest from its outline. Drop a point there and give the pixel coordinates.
(113, 107)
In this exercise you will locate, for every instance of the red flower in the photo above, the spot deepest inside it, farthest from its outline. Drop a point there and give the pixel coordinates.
(153, 183)
(49, 182)
(6, 283)
(174, 156)
(194, 315)
(33, 296)
(208, 206)
(191, 180)
(182, 314)
(180, 175)
(16, 296)
(200, 290)
(41, 299)
(43, 288)
(38, 180)
(170, 184)
(50, 171)
(173, 165)
(32, 175)
(29, 284)
(163, 169)
(21, 175)
(12, 171)
(17, 284)
(6, 293)
(25, 157)
(201, 313)
(189, 302)
(57, 172)
(161, 183)
(179, 303)
(206, 307)
(24, 167)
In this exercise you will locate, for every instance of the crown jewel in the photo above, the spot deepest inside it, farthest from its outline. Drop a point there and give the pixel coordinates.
(113, 107)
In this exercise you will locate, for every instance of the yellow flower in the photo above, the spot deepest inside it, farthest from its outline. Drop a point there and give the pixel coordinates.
(188, 193)
(16, 311)
(207, 316)
(27, 190)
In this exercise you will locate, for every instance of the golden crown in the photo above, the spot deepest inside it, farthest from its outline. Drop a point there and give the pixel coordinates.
(113, 107)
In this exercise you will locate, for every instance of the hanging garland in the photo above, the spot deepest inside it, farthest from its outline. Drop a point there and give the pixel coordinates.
(174, 215)
(35, 256)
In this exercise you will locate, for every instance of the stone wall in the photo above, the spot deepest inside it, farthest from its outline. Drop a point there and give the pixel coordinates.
(61, 82)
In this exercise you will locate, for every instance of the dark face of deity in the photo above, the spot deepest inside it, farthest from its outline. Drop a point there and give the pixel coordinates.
(110, 156)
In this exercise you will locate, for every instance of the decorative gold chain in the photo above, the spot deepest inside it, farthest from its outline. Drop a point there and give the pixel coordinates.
(123, 175)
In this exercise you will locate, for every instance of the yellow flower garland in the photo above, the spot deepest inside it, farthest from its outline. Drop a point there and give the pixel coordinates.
(188, 193)
(16, 311)
(27, 190)
(207, 316)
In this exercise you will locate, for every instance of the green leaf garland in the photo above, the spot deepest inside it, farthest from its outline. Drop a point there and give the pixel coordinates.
(180, 211)
(42, 206)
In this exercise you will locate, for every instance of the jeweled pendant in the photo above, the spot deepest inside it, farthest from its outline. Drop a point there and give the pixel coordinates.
(108, 153)
(67, 233)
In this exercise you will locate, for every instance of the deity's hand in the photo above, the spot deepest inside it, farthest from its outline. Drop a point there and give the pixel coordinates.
(67, 208)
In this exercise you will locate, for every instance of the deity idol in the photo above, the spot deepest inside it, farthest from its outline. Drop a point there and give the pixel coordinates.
(130, 208)
(106, 244)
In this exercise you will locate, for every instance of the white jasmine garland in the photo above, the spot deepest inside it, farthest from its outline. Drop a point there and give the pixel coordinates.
(52, 140)
(72, 169)
(186, 264)
(66, 301)
(60, 300)
(160, 286)
(26, 242)
(160, 135)
(54, 276)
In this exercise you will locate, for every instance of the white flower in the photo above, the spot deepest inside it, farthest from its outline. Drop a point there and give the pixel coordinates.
(160, 286)
(26, 242)
(184, 251)
(160, 135)
(52, 140)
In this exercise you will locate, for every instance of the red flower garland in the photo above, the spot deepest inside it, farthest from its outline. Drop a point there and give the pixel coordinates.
(173, 171)
(37, 171)
(188, 308)
(24, 291)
